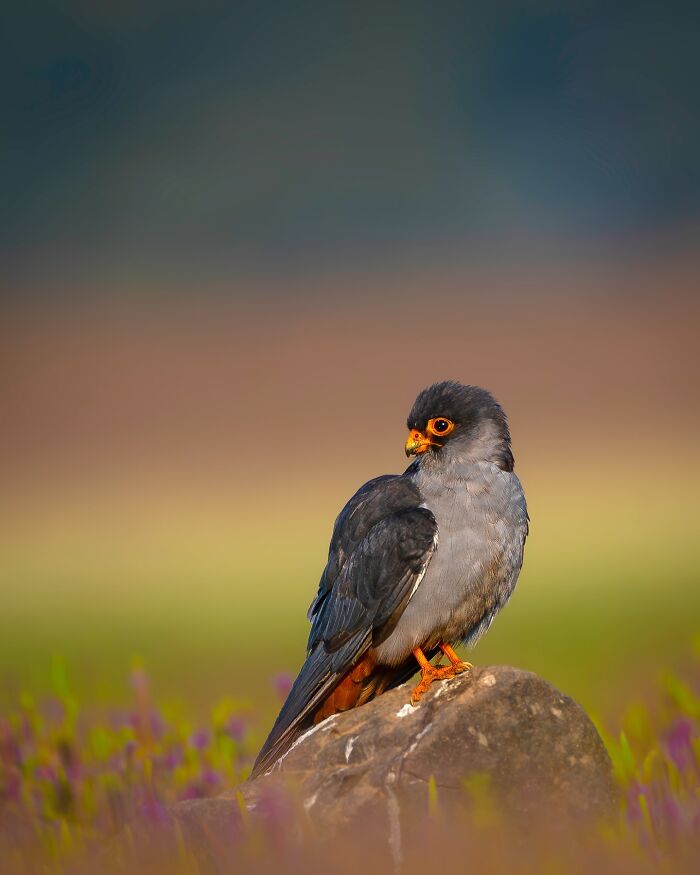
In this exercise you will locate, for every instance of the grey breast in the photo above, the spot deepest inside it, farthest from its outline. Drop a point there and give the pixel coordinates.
(481, 516)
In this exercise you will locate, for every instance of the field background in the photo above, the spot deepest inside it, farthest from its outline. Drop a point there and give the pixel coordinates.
(171, 480)
(236, 244)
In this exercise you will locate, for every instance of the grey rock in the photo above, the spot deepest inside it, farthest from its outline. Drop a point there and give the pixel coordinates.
(495, 738)
(533, 747)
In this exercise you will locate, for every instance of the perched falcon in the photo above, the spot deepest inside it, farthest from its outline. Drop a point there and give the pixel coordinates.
(417, 562)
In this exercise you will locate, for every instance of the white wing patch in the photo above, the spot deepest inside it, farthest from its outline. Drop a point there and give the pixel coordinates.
(425, 567)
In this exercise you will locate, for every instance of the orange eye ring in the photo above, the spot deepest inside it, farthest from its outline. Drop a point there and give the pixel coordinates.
(440, 426)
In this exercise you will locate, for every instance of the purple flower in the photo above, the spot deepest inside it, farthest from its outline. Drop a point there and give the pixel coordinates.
(191, 791)
(200, 739)
(670, 813)
(118, 718)
(44, 773)
(210, 778)
(139, 682)
(157, 724)
(634, 808)
(27, 730)
(236, 728)
(74, 772)
(10, 754)
(12, 787)
(173, 758)
(282, 683)
(154, 810)
(679, 743)
(129, 751)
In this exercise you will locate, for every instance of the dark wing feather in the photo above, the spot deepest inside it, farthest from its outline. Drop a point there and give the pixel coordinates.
(382, 543)
(370, 504)
(376, 580)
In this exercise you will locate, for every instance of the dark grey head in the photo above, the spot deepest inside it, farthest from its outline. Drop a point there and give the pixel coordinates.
(449, 421)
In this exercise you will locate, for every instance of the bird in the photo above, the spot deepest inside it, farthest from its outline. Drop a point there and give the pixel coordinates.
(418, 563)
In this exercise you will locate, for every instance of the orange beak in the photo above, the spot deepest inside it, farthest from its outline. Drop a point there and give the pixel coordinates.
(417, 442)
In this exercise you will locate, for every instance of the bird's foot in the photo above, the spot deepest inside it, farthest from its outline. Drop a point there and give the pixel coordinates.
(458, 664)
(434, 673)
(430, 673)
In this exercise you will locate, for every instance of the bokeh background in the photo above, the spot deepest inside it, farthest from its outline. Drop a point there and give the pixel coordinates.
(236, 240)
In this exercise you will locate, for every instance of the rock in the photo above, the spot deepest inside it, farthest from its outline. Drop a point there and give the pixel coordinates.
(495, 737)
(537, 746)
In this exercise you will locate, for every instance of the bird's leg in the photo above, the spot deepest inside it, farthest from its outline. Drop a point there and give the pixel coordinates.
(430, 673)
(454, 659)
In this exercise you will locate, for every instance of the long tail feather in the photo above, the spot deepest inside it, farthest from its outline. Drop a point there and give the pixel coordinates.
(319, 691)
(314, 682)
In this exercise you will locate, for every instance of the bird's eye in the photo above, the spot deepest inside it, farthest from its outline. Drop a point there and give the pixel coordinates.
(440, 426)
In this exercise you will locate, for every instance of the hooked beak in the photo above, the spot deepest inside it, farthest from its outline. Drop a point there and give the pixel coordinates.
(417, 442)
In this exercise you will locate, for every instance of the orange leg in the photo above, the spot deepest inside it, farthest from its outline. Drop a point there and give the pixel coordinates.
(430, 673)
(454, 659)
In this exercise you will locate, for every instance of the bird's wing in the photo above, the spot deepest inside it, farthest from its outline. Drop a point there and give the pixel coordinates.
(371, 503)
(381, 546)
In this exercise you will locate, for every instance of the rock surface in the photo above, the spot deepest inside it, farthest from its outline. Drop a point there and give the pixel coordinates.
(495, 731)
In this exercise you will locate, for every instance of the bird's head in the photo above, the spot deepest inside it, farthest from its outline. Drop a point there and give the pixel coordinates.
(450, 422)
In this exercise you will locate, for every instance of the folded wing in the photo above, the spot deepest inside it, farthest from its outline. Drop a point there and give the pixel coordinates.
(381, 546)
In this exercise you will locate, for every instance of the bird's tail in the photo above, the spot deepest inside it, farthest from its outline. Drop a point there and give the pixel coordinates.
(319, 692)
(314, 682)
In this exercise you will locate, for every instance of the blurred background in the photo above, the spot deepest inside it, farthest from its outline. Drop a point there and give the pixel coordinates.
(236, 240)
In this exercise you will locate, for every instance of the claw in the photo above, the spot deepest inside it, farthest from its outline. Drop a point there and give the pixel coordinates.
(430, 673)
(454, 659)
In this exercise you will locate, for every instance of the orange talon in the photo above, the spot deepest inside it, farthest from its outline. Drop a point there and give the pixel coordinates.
(430, 673)
(454, 659)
